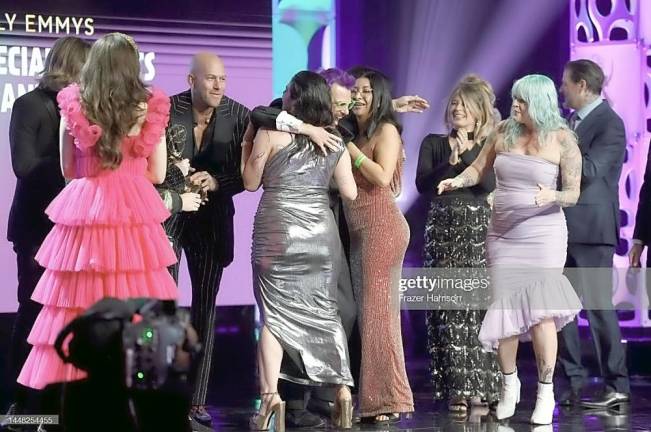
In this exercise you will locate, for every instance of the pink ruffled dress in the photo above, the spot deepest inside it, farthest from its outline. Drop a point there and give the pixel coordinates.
(107, 241)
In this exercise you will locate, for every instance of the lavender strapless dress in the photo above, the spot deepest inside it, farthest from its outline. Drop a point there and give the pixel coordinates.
(526, 247)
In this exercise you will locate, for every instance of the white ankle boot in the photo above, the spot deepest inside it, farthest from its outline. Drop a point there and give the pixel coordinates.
(544, 411)
(509, 396)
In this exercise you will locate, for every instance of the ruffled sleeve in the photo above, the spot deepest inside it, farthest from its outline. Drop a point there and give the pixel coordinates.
(158, 113)
(85, 134)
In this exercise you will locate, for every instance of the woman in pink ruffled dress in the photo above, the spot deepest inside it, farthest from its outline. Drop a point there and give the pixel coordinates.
(107, 240)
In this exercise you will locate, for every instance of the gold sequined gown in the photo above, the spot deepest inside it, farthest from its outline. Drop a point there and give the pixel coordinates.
(379, 235)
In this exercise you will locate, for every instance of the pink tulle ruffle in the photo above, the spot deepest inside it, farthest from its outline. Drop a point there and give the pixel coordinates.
(43, 367)
(81, 289)
(49, 322)
(87, 134)
(108, 200)
(158, 111)
(106, 248)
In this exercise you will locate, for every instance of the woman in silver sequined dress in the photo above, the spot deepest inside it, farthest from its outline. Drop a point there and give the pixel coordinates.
(295, 254)
(455, 233)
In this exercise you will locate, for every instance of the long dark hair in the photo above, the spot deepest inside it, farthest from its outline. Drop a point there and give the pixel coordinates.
(382, 109)
(63, 63)
(311, 102)
(310, 95)
(112, 93)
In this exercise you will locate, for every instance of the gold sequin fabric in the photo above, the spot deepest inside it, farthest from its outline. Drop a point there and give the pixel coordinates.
(379, 235)
(455, 233)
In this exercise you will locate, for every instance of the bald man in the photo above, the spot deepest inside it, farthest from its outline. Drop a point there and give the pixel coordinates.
(204, 139)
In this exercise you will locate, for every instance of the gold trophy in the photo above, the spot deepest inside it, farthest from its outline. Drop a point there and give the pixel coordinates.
(176, 137)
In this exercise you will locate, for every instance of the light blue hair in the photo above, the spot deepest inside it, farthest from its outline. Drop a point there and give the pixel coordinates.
(539, 93)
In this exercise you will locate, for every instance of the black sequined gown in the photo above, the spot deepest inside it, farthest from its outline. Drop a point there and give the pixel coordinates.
(455, 232)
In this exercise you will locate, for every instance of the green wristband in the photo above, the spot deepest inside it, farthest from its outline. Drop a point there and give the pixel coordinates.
(359, 160)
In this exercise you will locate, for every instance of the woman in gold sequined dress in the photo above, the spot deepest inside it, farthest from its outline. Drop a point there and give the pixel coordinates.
(379, 235)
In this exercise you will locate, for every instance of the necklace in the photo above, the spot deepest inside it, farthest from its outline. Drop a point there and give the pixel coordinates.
(203, 120)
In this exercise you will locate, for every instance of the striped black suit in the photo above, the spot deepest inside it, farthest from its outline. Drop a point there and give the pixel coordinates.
(206, 236)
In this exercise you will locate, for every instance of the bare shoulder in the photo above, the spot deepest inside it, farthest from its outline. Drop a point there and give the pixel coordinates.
(273, 136)
(496, 137)
(386, 137)
(388, 131)
(498, 143)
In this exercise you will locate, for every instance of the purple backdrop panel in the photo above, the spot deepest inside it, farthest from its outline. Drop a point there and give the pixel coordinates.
(614, 38)
(166, 46)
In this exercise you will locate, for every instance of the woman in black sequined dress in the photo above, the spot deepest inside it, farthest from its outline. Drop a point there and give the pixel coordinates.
(455, 232)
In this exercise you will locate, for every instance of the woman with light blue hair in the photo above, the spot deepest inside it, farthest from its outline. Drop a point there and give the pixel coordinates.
(527, 237)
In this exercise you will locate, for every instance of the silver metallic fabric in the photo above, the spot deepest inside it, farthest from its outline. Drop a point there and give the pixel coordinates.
(296, 259)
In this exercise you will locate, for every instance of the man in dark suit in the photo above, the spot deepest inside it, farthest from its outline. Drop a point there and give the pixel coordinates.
(593, 233)
(34, 142)
(642, 232)
(206, 128)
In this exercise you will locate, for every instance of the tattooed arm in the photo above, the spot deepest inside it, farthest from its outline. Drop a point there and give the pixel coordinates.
(473, 174)
(570, 167)
(254, 165)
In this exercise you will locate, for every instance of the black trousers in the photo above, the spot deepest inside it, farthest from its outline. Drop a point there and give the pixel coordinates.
(205, 269)
(604, 325)
(29, 273)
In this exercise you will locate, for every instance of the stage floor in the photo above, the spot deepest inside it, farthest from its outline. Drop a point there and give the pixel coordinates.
(430, 416)
(233, 390)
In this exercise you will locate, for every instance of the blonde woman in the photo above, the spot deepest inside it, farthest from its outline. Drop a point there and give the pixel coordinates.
(455, 233)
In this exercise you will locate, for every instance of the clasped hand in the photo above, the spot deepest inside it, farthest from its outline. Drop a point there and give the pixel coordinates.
(323, 139)
(207, 182)
(544, 196)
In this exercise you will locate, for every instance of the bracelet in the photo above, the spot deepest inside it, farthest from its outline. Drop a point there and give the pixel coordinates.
(359, 160)
(286, 122)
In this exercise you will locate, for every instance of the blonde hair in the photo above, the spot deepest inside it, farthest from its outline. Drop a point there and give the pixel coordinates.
(478, 98)
(112, 93)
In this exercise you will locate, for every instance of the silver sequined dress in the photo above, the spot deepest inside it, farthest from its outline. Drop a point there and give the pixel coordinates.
(295, 258)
